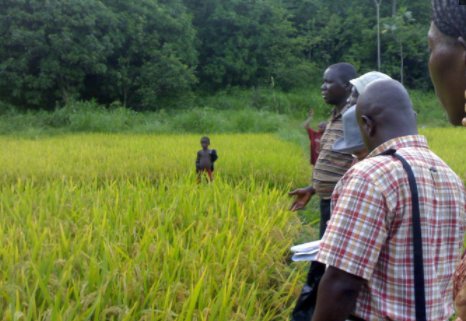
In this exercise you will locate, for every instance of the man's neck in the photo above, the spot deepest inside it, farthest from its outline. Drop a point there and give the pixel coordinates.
(339, 107)
(385, 137)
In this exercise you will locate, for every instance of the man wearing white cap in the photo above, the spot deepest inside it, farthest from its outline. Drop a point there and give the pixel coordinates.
(351, 142)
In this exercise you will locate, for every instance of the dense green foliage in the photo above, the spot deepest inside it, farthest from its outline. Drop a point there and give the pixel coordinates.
(150, 54)
(229, 111)
(133, 52)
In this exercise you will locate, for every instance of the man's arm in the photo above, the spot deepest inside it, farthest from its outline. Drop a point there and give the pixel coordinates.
(307, 122)
(302, 197)
(337, 294)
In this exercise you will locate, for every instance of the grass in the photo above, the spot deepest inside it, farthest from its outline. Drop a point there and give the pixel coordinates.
(114, 227)
(119, 156)
(234, 111)
(449, 144)
(134, 251)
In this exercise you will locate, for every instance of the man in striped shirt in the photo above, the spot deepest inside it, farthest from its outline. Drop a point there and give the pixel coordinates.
(329, 168)
(330, 165)
(368, 245)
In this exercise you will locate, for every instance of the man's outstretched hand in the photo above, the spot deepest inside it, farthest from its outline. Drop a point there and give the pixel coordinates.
(302, 197)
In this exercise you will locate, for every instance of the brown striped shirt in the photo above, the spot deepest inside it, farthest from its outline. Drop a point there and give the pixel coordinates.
(330, 165)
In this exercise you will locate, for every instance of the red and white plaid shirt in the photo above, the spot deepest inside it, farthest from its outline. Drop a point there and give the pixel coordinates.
(369, 233)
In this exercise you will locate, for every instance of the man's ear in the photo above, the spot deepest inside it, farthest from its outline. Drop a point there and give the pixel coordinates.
(368, 125)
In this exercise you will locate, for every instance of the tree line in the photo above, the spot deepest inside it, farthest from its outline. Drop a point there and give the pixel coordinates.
(147, 53)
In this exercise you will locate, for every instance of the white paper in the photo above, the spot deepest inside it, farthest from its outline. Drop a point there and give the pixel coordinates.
(306, 247)
(306, 251)
(298, 257)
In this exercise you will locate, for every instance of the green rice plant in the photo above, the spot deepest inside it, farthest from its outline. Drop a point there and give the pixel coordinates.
(115, 227)
(118, 156)
(129, 249)
(449, 143)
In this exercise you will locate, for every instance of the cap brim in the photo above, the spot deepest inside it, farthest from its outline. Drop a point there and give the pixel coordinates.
(341, 147)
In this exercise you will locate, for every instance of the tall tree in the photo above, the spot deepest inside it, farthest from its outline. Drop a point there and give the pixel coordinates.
(399, 28)
(406, 40)
(149, 52)
(241, 42)
(48, 48)
(154, 56)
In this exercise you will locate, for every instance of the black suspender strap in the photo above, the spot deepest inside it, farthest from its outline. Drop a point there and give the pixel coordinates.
(419, 288)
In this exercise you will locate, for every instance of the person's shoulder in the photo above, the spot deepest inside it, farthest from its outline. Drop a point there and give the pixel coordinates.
(373, 174)
(372, 167)
(437, 164)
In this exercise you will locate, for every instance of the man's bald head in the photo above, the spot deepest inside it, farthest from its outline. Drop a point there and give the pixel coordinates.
(384, 111)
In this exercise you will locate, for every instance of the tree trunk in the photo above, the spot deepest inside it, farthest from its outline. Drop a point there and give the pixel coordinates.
(125, 97)
(401, 63)
(393, 8)
(377, 7)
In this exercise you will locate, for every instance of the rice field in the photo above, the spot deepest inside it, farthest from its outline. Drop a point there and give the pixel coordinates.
(115, 227)
(450, 145)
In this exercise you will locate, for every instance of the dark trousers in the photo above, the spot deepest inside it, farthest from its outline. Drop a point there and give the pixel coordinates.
(317, 269)
(305, 305)
(324, 216)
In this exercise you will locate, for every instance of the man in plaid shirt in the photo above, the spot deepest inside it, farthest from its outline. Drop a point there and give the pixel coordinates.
(368, 242)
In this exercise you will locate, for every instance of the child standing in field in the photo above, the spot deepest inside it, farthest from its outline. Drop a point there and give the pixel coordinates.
(205, 160)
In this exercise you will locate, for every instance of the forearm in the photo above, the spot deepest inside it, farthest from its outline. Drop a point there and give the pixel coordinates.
(336, 298)
(307, 123)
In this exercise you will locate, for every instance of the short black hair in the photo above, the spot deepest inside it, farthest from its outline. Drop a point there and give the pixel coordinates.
(345, 71)
(205, 138)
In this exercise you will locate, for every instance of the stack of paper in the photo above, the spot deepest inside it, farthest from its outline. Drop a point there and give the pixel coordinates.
(305, 251)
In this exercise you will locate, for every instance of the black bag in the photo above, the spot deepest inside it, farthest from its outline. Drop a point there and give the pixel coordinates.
(306, 303)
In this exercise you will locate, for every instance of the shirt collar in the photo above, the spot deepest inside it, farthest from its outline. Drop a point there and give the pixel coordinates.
(418, 141)
(337, 114)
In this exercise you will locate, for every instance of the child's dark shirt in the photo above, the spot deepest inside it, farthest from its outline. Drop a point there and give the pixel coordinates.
(205, 159)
